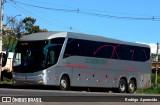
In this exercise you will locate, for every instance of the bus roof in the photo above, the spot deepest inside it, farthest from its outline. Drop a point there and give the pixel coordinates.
(58, 34)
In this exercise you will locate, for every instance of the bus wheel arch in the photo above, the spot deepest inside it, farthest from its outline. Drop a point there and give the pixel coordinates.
(122, 86)
(64, 82)
(132, 85)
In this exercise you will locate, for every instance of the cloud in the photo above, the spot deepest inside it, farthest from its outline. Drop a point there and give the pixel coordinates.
(153, 47)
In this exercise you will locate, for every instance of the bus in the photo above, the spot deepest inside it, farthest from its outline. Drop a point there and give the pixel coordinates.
(69, 59)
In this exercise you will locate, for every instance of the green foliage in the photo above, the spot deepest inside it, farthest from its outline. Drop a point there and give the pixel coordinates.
(15, 29)
(9, 40)
(35, 29)
(29, 25)
(153, 56)
(153, 89)
(153, 78)
(5, 82)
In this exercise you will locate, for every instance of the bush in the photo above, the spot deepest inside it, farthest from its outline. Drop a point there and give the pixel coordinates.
(153, 89)
(153, 78)
(6, 75)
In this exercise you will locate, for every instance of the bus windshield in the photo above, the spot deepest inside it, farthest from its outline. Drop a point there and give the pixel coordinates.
(33, 56)
(29, 56)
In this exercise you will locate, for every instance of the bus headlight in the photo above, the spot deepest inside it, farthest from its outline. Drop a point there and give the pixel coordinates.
(13, 75)
(14, 82)
(40, 75)
(40, 81)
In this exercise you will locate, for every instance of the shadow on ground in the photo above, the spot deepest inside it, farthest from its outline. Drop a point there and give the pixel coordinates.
(6, 86)
(54, 88)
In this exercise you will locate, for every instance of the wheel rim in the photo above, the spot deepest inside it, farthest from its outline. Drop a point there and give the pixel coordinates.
(63, 83)
(131, 87)
(122, 87)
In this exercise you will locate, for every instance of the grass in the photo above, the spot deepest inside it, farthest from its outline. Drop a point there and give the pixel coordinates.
(5, 82)
(153, 89)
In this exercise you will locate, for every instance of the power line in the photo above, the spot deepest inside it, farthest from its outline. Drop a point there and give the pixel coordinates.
(28, 13)
(92, 13)
(69, 27)
(89, 10)
(115, 12)
(55, 9)
(48, 22)
(51, 3)
(118, 17)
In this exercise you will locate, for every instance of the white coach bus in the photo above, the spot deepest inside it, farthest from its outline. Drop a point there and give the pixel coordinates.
(68, 59)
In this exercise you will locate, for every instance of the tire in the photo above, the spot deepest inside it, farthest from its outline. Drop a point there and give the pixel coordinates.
(122, 86)
(64, 83)
(131, 87)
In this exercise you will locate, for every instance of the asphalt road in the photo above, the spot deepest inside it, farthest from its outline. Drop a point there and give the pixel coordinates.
(58, 97)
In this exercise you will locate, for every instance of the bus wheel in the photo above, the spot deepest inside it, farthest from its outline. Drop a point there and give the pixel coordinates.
(122, 86)
(64, 83)
(131, 86)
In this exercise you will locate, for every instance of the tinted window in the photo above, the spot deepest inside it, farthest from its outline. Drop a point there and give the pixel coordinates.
(30, 56)
(72, 48)
(52, 56)
(106, 50)
(57, 41)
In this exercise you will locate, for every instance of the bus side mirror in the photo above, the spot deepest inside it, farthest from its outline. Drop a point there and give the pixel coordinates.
(3, 57)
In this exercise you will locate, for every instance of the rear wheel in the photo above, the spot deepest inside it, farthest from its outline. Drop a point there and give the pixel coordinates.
(64, 83)
(131, 87)
(122, 86)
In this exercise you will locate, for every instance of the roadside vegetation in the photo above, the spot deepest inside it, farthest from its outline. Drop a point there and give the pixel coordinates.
(8, 82)
(154, 89)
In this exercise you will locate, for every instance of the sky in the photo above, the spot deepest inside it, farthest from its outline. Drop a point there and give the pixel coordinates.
(97, 17)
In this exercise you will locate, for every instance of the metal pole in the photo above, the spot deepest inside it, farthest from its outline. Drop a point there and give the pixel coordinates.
(1, 27)
(12, 19)
(156, 64)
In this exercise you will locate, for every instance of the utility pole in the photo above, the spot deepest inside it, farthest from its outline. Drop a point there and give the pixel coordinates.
(156, 65)
(1, 27)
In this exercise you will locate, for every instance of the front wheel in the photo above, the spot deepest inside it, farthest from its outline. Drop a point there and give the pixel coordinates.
(122, 86)
(64, 83)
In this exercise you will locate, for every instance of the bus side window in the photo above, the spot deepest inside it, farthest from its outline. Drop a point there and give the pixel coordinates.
(50, 58)
(17, 59)
(72, 48)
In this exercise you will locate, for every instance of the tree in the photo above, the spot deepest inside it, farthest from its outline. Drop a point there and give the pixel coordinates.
(153, 56)
(13, 26)
(30, 27)
(8, 41)
(12, 31)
